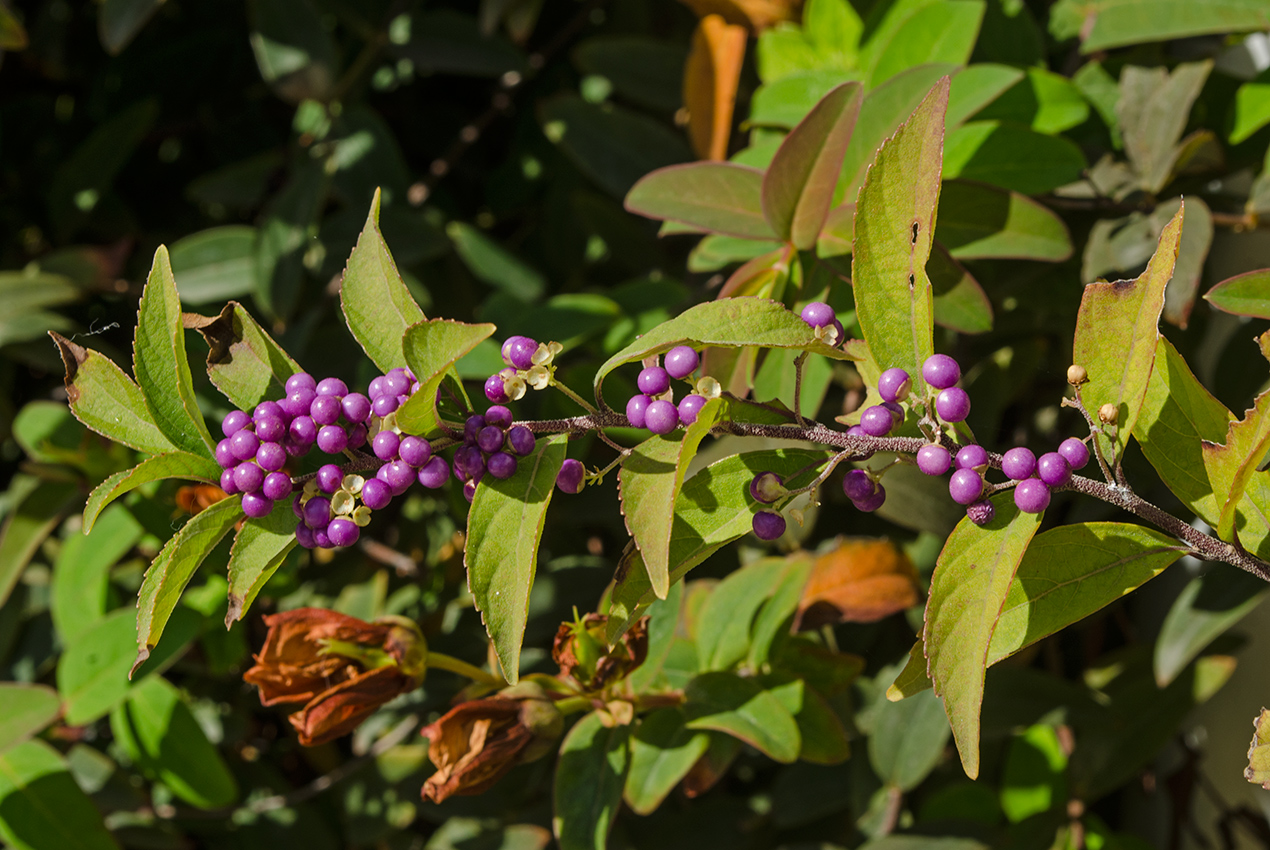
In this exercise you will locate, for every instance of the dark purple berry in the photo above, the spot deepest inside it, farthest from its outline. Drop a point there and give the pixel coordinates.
(1075, 452)
(520, 439)
(304, 536)
(297, 403)
(768, 525)
(248, 477)
(343, 532)
(376, 494)
(227, 482)
(325, 410)
(972, 457)
(518, 351)
(321, 540)
(356, 407)
(872, 502)
(433, 474)
(329, 477)
(468, 462)
(495, 390)
(414, 451)
(385, 445)
(469, 491)
(933, 460)
(357, 436)
(981, 512)
(767, 487)
(1018, 463)
(398, 475)
(384, 405)
(297, 507)
(234, 421)
(893, 384)
(637, 410)
(952, 404)
(818, 314)
(1053, 469)
(653, 381)
(332, 386)
(571, 476)
(877, 421)
(501, 465)
(256, 506)
(941, 371)
(661, 417)
(332, 439)
(396, 383)
(271, 456)
(1032, 496)
(858, 485)
(856, 431)
(277, 485)
(490, 439)
(689, 407)
(244, 445)
(965, 486)
(472, 427)
(499, 416)
(272, 428)
(300, 381)
(317, 512)
(303, 430)
(225, 454)
(681, 361)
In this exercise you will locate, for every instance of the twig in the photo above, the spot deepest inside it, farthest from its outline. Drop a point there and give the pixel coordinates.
(388, 556)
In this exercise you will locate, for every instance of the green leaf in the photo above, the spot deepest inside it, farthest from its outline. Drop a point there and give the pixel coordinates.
(663, 622)
(648, 71)
(970, 585)
(31, 521)
(504, 527)
(293, 50)
(243, 361)
(377, 306)
(1232, 464)
(119, 21)
(978, 221)
(432, 347)
(1103, 92)
(158, 731)
(1154, 107)
(1246, 294)
(823, 740)
(92, 675)
(157, 468)
(1177, 414)
(958, 301)
(783, 102)
(162, 369)
(798, 186)
(41, 807)
(1103, 24)
(1047, 102)
(1034, 780)
(662, 753)
(259, 549)
(1116, 330)
(975, 87)
(1070, 572)
(718, 197)
(713, 509)
(286, 223)
(723, 624)
(912, 679)
(28, 709)
(917, 35)
(777, 612)
(1208, 606)
(726, 702)
(1192, 252)
(215, 265)
(727, 323)
(173, 567)
(588, 785)
(893, 231)
(1251, 108)
(493, 264)
(81, 574)
(908, 739)
(449, 42)
(1011, 156)
(107, 401)
(648, 485)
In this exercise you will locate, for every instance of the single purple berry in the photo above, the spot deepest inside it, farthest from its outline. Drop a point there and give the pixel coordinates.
(857, 485)
(856, 431)
(871, 503)
(234, 421)
(518, 351)
(266, 410)
(356, 407)
(472, 427)
(225, 454)
(433, 474)
(227, 482)
(972, 457)
(1018, 463)
(303, 430)
(385, 445)
(1032, 496)
(321, 540)
(490, 438)
(965, 486)
(653, 381)
(271, 456)
(952, 404)
(277, 485)
(768, 525)
(571, 477)
(894, 383)
(469, 491)
(332, 386)
(256, 506)
(1053, 469)
(1075, 452)
(332, 439)
(941, 371)
(317, 512)
(248, 477)
(520, 439)
(384, 405)
(343, 532)
(297, 506)
(376, 388)
(637, 410)
(414, 450)
(499, 416)
(468, 462)
(818, 314)
(325, 410)
(501, 465)
(767, 487)
(357, 436)
(376, 494)
(300, 381)
(329, 477)
(396, 383)
(496, 390)
(244, 444)
(398, 475)
(689, 407)
(304, 536)
(934, 460)
(661, 417)
(297, 403)
(877, 421)
(681, 361)
(272, 428)
(981, 512)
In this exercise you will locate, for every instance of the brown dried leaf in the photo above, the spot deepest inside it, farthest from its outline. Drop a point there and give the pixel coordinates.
(861, 580)
(756, 15)
(711, 76)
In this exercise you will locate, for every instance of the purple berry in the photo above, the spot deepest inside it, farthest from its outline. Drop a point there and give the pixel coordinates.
(637, 410)
(469, 491)
(858, 485)
(490, 439)
(520, 439)
(343, 532)
(225, 454)
(321, 540)
(317, 512)
(681, 361)
(767, 487)
(332, 439)
(1053, 469)
(357, 436)
(297, 403)
(234, 421)
(472, 427)
(897, 412)
(518, 351)
(244, 445)
(256, 506)
(495, 390)
(877, 421)
(817, 314)
(271, 456)
(1032, 496)
(893, 384)
(661, 417)
(272, 428)
(856, 431)
(499, 416)
(304, 536)
(325, 410)
(571, 476)
(227, 482)
(396, 383)
(981, 512)
(356, 407)
(941, 371)
(300, 381)
(1018, 463)
(1075, 452)
(952, 404)
(972, 457)
(467, 460)
(376, 494)
(398, 475)
(965, 486)
(934, 460)
(303, 430)
(277, 485)
(332, 386)
(296, 507)
(384, 405)
(376, 388)
(768, 525)
(266, 410)
(689, 407)
(385, 445)
(501, 465)
(653, 381)
(872, 502)
(329, 477)
(414, 451)
(433, 474)
(840, 333)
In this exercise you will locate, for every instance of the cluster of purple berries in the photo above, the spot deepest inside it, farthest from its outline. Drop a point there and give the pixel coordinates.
(491, 444)
(653, 407)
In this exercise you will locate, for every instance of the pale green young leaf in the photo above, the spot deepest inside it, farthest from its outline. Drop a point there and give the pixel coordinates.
(742, 708)
(28, 709)
(259, 549)
(44, 808)
(215, 265)
(717, 197)
(504, 527)
(919, 34)
(243, 361)
(908, 739)
(590, 775)
(1153, 110)
(978, 221)
(1247, 294)
(29, 523)
(975, 87)
(1231, 465)
(81, 573)
(1208, 606)
(912, 679)
(723, 623)
(431, 348)
(1251, 108)
(171, 464)
(1103, 24)
(662, 753)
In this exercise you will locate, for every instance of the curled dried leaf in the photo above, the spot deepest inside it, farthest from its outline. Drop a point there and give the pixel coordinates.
(861, 580)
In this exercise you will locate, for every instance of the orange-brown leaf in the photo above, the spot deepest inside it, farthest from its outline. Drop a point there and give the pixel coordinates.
(711, 76)
(860, 581)
(756, 15)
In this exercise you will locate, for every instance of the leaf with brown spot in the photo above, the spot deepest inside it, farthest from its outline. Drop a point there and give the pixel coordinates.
(244, 362)
(711, 76)
(861, 580)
